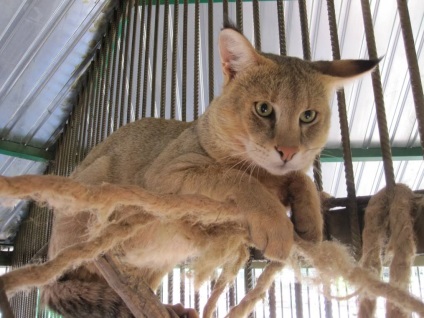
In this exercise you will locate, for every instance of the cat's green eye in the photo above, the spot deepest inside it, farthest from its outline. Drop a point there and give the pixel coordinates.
(308, 116)
(263, 109)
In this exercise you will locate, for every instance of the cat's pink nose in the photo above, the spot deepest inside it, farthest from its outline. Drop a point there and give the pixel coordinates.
(286, 153)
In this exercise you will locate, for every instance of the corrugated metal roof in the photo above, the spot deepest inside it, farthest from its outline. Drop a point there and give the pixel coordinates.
(44, 46)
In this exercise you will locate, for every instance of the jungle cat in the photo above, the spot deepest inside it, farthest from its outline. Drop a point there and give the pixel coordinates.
(267, 126)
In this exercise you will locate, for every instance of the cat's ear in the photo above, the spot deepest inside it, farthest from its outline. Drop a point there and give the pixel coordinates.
(236, 52)
(340, 72)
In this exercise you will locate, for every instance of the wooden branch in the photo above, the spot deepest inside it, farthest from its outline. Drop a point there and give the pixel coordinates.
(6, 310)
(138, 296)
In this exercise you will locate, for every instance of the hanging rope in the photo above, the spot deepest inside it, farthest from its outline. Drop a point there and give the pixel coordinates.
(389, 233)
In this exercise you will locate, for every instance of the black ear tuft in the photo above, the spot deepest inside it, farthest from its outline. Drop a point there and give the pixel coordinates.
(345, 68)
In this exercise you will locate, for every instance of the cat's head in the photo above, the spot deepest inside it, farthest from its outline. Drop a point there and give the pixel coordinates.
(274, 111)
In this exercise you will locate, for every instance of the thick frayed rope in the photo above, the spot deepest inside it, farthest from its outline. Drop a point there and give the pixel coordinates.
(331, 260)
(73, 197)
(74, 256)
(389, 230)
(246, 305)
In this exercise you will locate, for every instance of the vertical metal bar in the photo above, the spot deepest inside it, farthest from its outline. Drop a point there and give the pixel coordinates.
(67, 148)
(106, 92)
(146, 59)
(281, 27)
(239, 15)
(78, 128)
(232, 295)
(120, 80)
(419, 282)
(171, 287)
(196, 58)
(414, 69)
(378, 97)
(211, 47)
(164, 59)
(159, 292)
(155, 59)
(272, 301)
(174, 60)
(67, 157)
(182, 285)
(124, 55)
(248, 278)
(74, 125)
(256, 24)
(140, 59)
(305, 31)
(99, 103)
(90, 109)
(225, 8)
(197, 301)
(106, 78)
(132, 4)
(58, 156)
(82, 119)
(328, 305)
(97, 98)
(298, 299)
(184, 75)
(61, 162)
(113, 91)
(132, 59)
(307, 56)
(95, 90)
(347, 153)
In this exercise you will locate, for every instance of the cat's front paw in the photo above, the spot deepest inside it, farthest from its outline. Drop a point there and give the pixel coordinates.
(272, 234)
(299, 192)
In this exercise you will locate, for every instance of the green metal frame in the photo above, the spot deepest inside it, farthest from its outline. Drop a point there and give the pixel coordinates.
(14, 149)
(372, 154)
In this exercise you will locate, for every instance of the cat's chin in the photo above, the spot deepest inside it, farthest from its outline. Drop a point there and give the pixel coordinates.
(282, 169)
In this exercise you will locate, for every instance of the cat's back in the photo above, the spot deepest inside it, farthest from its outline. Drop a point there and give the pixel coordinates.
(127, 152)
(120, 159)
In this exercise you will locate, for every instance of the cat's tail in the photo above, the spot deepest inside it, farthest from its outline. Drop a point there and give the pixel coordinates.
(79, 299)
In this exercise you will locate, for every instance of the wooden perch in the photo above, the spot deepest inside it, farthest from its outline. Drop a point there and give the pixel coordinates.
(138, 296)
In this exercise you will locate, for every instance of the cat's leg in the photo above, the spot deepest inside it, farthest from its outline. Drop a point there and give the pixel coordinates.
(299, 192)
(265, 217)
(228, 274)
